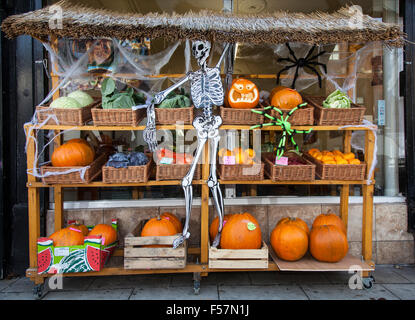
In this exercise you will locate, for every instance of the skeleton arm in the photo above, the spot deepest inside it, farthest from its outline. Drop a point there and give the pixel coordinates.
(222, 56)
(159, 97)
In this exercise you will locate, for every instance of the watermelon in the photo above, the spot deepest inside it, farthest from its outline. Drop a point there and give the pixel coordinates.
(44, 260)
(93, 257)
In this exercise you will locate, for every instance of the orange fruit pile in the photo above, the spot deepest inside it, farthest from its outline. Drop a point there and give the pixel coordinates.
(333, 157)
(246, 156)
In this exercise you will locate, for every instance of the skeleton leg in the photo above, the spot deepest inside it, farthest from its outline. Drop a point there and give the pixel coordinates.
(188, 191)
(214, 186)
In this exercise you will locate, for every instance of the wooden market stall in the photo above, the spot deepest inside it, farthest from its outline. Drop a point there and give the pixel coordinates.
(282, 27)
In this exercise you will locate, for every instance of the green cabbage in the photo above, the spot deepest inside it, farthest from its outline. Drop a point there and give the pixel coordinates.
(66, 103)
(82, 97)
(337, 99)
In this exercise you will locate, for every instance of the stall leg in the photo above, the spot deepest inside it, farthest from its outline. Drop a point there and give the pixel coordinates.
(196, 282)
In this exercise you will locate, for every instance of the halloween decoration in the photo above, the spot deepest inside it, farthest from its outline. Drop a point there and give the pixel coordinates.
(243, 94)
(284, 124)
(206, 90)
(307, 62)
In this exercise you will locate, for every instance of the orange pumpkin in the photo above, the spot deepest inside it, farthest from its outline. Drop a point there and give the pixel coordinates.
(108, 233)
(213, 229)
(67, 237)
(328, 243)
(241, 231)
(275, 90)
(173, 218)
(156, 227)
(329, 219)
(295, 221)
(72, 154)
(243, 94)
(81, 227)
(289, 241)
(286, 99)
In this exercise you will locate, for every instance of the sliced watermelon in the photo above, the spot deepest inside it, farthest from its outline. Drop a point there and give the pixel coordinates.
(93, 257)
(44, 260)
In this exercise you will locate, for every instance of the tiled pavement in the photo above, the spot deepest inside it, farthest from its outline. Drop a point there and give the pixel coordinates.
(391, 283)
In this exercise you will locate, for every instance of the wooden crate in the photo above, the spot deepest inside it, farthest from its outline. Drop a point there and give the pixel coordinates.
(137, 257)
(238, 258)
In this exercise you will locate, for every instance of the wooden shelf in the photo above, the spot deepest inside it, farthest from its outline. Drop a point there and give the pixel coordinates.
(190, 127)
(100, 184)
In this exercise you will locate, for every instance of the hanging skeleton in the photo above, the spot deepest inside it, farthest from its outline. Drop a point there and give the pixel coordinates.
(206, 90)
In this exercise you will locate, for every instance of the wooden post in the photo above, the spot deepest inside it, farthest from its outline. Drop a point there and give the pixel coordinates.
(368, 190)
(33, 201)
(345, 189)
(204, 211)
(58, 191)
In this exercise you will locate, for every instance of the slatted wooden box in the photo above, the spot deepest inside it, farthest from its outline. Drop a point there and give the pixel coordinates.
(238, 258)
(138, 257)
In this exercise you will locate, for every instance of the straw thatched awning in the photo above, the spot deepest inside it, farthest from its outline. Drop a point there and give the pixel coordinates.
(280, 27)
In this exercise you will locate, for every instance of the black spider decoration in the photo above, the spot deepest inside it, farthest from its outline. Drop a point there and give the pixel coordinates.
(306, 62)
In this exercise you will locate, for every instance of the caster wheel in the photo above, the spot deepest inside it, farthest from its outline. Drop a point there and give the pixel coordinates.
(39, 291)
(368, 282)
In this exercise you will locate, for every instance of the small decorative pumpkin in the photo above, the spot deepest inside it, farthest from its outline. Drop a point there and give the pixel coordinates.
(295, 221)
(275, 90)
(156, 227)
(286, 99)
(213, 229)
(329, 218)
(243, 94)
(328, 243)
(73, 154)
(173, 218)
(289, 241)
(67, 237)
(241, 231)
(108, 233)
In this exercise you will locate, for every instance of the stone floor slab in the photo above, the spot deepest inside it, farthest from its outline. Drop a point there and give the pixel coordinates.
(125, 282)
(388, 274)
(343, 292)
(17, 296)
(233, 278)
(21, 285)
(6, 283)
(271, 292)
(408, 272)
(287, 277)
(207, 292)
(109, 294)
(404, 291)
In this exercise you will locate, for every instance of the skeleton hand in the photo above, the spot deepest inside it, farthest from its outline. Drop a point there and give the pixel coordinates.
(158, 98)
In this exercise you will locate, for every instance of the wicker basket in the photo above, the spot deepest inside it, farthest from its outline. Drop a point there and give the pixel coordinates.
(241, 172)
(335, 117)
(129, 174)
(173, 115)
(338, 171)
(94, 170)
(300, 117)
(117, 117)
(240, 116)
(176, 171)
(304, 172)
(69, 117)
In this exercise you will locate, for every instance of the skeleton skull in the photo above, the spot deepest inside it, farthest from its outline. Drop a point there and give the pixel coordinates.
(201, 51)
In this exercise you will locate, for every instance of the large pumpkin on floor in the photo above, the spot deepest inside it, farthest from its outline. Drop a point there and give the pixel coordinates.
(173, 218)
(295, 221)
(67, 237)
(329, 219)
(241, 231)
(286, 99)
(83, 228)
(108, 233)
(328, 243)
(157, 227)
(243, 94)
(289, 241)
(213, 229)
(72, 154)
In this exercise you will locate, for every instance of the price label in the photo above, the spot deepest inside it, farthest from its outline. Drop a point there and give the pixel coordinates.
(61, 251)
(229, 160)
(166, 160)
(283, 161)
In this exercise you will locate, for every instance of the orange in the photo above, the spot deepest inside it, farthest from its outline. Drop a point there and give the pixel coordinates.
(341, 161)
(249, 154)
(354, 161)
(319, 157)
(349, 155)
(329, 162)
(327, 158)
(311, 151)
(337, 153)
